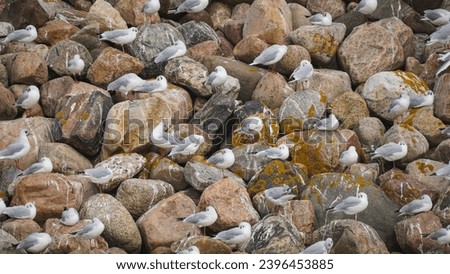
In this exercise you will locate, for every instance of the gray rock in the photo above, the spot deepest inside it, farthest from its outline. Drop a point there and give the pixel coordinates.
(7, 110)
(442, 206)
(65, 159)
(351, 20)
(162, 168)
(7, 244)
(442, 152)
(442, 98)
(246, 164)
(370, 131)
(88, 37)
(3, 75)
(60, 54)
(272, 90)
(195, 32)
(5, 28)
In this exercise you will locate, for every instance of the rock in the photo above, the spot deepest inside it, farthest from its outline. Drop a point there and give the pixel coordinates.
(274, 234)
(55, 31)
(300, 107)
(272, 90)
(132, 14)
(21, 13)
(441, 207)
(299, 15)
(278, 173)
(246, 164)
(270, 20)
(422, 167)
(189, 73)
(382, 88)
(441, 98)
(205, 244)
(352, 237)
(88, 37)
(351, 20)
(106, 68)
(333, 83)
(162, 168)
(138, 195)
(207, 48)
(60, 54)
(290, 61)
(6, 28)
(65, 159)
(69, 244)
(196, 32)
(426, 123)
(370, 131)
(81, 121)
(218, 12)
(3, 75)
(7, 110)
(325, 189)
(27, 68)
(233, 30)
(426, 71)
(200, 176)
(322, 42)
(154, 223)
(120, 229)
(7, 244)
(50, 192)
(351, 108)
(107, 18)
(335, 7)
(361, 45)
(442, 151)
(20, 229)
(302, 217)
(369, 172)
(226, 194)
(249, 48)
(409, 233)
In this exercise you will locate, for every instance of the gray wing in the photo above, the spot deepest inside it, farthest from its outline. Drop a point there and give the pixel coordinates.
(148, 86)
(317, 248)
(443, 171)
(415, 100)
(414, 205)
(17, 35)
(166, 54)
(121, 82)
(316, 17)
(212, 76)
(443, 67)
(28, 242)
(97, 172)
(441, 33)
(229, 234)
(11, 149)
(216, 158)
(22, 98)
(361, 4)
(188, 5)
(434, 14)
(113, 34)
(348, 202)
(388, 149)
(195, 218)
(72, 62)
(266, 55)
(172, 139)
(438, 233)
(17, 211)
(181, 147)
(85, 230)
(276, 192)
(32, 169)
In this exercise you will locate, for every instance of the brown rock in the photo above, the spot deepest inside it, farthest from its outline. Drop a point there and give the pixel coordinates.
(54, 227)
(3, 75)
(441, 98)
(162, 168)
(200, 175)
(232, 30)
(55, 31)
(7, 111)
(270, 20)
(218, 12)
(103, 14)
(302, 212)
(335, 7)
(370, 131)
(206, 48)
(332, 83)
(20, 229)
(65, 159)
(299, 15)
(206, 245)
(272, 90)
(60, 54)
(249, 48)
(290, 61)
(350, 107)
(442, 152)
(21, 13)
(67, 244)
(426, 71)
(240, 11)
(28, 68)
(130, 10)
(369, 172)
(226, 194)
(441, 207)
(426, 123)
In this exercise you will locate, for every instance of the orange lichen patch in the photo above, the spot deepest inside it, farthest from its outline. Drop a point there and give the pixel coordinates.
(63, 121)
(323, 98)
(312, 111)
(268, 134)
(413, 81)
(291, 124)
(424, 168)
(311, 155)
(324, 44)
(407, 127)
(59, 115)
(84, 116)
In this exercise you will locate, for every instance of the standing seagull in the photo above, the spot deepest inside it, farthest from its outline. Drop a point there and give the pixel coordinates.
(188, 146)
(279, 195)
(323, 19)
(44, 165)
(202, 218)
(176, 50)
(2, 206)
(352, 205)
(17, 149)
(27, 211)
(302, 73)
(329, 124)
(92, 230)
(423, 204)
(35, 242)
(75, 66)
(28, 98)
(422, 100)
(126, 83)
(437, 17)
(320, 247)
(442, 235)
(236, 235)
(367, 6)
(120, 36)
(222, 159)
(281, 152)
(391, 151)
(190, 6)
(69, 216)
(348, 157)
(151, 6)
(270, 55)
(218, 77)
(27, 35)
(160, 84)
(444, 171)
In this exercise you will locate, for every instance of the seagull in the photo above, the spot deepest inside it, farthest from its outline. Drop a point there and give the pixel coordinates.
(367, 6)
(329, 124)
(27, 35)
(75, 65)
(416, 206)
(352, 205)
(44, 165)
(302, 73)
(176, 50)
(160, 84)
(252, 125)
(281, 152)
(92, 230)
(202, 218)
(323, 19)
(442, 235)
(27, 211)
(437, 17)
(320, 247)
(445, 131)
(99, 175)
(279, 195)
(348, 157)
(270, 55)
(69, 216)
(162, 139)
(28, 98)
(445, 58)
(151, 6)
(2, 206)
(443, 171)
(17, 149)
(441, 34)
(391, 151)
(126, 83)
(120, 36)
(400, 105)
(35, 242)
(191, 250)
(422, 100)
(190, 6)
(218, 77)
(188, 146)
(236, 235)
(223, 158)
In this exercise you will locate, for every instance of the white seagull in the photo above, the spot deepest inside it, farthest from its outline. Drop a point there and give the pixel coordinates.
(191, 250)
(27, 35)
(443, 171)
(367, 6)
(44, 165)
(423, 204)
(203, 218)
(236, 235)
(218, 77)
(441, 34)
(442, 235)
(352, 205)
(35, 242)
(223, 158)
(437, 17)
(331, 123)
(28, 98)
(160, 84)
(2, 206)
(270, 55)
(151, 6)
(176, 50)
(75, 65)
(190, 6)
(92, 230)
(400, 105)
(69, 216)
(348, 157)
(252, 125)
(27, 211)
(17, 149)
(391, 151)
(188, 146)
(320, 247)
(120, 36)
(281, 152)
(162, 139)
(302, 73)
(98, 175)
(126, 83)
(279, 195)
(323, 19)
(445, 58)
(445, 131)
(422, 100)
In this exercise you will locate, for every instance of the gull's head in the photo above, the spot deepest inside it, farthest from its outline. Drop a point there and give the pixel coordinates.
(448, 227)
(404, 96)
(32, 88)
(403, 144)
(362, 195)
(210, 209)
(244, 225)
(161, 78)
(179, 42)
(25, 132)
(134, 29)
(76, 57)
(29, 205)
(329, 243)
(220, 69)
(30, 28)
(305, 63)
(351, 148)
(425, 197)
(327, 15)
(283, 147)
(429, 93)
(45, 160)
(198, 138)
